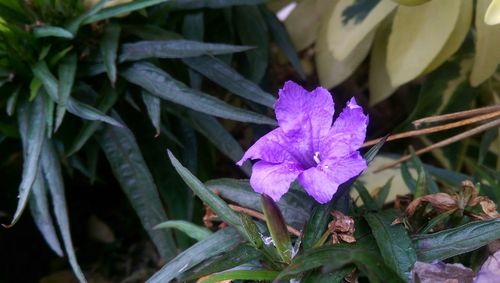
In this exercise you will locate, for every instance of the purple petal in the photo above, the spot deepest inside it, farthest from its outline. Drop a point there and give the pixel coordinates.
(322, 182)
(347, 133)
(298, 110)
(271, 148)
(273, 179)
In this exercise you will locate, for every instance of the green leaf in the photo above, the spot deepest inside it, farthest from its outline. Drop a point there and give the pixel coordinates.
(109, 48)
(368, 200)
(12, 101)
(117, 10)
(161, 84)
(316, 225)
(52, 172)
(209, 127)
(88, 112)
(75, 25)
(393, 241)
(383, 193)
(370, 154)
(252, 274)
(418, 35)
(225, 213)
(451, 242)
(450, 177)
(175, 48)
(251, 231)
(109, 98)
(221, 73)
(131, 171)
(39, 206)
(337, 256)
(42, 73)
(277, 226)
(295, 205)
(194, 231)
(66, 72)
(50, 31)
(31, 119)
(240, 255)
(280, 35)
(153, 106)
(213, 4)
(252, 31)
(217, 243)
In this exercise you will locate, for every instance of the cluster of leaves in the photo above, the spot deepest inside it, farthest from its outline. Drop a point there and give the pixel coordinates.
(383, 252)
(405, 39)
(110, 64)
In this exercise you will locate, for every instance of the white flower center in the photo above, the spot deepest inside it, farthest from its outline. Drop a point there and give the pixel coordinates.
(316, 157)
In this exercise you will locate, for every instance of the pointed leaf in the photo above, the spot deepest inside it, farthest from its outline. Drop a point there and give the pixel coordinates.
(161, 84)
(42, 73)
(211, 199)
(66, 72)
(316, 225)
(117, 10)
(281, 38)
(131, 171)
(393, 241)
(31, 119)
(153, 106)
(50, 31)
(88, 112)
(109, 48)
(194, 231)
(175, 48)
(52, 172)
(217, 243)
(220, 73)
(75, 24)
(451, 242)
(40, 212)
(253, 275)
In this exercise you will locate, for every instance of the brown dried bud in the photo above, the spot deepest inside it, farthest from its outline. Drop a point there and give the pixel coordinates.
(341, 228)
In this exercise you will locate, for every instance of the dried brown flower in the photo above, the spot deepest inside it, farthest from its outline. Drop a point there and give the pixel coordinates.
(341, 228)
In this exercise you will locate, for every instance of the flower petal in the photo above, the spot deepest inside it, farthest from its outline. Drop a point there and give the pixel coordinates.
(347, 133)
(322, 182)
(273, 179)
(271, 148)
(299, 111)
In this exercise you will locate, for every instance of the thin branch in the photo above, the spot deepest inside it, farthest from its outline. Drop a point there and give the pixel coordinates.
(260, 216)
(444, 142)
(436, 128)
(456, 115)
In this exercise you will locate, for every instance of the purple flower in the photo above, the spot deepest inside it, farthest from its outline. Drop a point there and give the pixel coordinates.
(306, 146)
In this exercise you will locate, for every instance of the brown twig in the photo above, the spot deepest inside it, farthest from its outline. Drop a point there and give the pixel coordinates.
(444, 142)
(260, 216)
(456, 115)
(436, 128)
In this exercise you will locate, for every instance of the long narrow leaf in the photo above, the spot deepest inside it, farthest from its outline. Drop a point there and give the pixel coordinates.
(216, 133)
(47, 31)
(109, 48)
(121, 9)
(218, 243)
(131, 171)
(213, 4)
(159, 83)
(220, 73)
(153, 106)
(211, 199)
(194, 231)
(252, 274)
(49, 82)
(52, 172)
(175, 48)
(31, 119)
(39, 206)
(66, 72)
(451, 242)
(88, 112)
